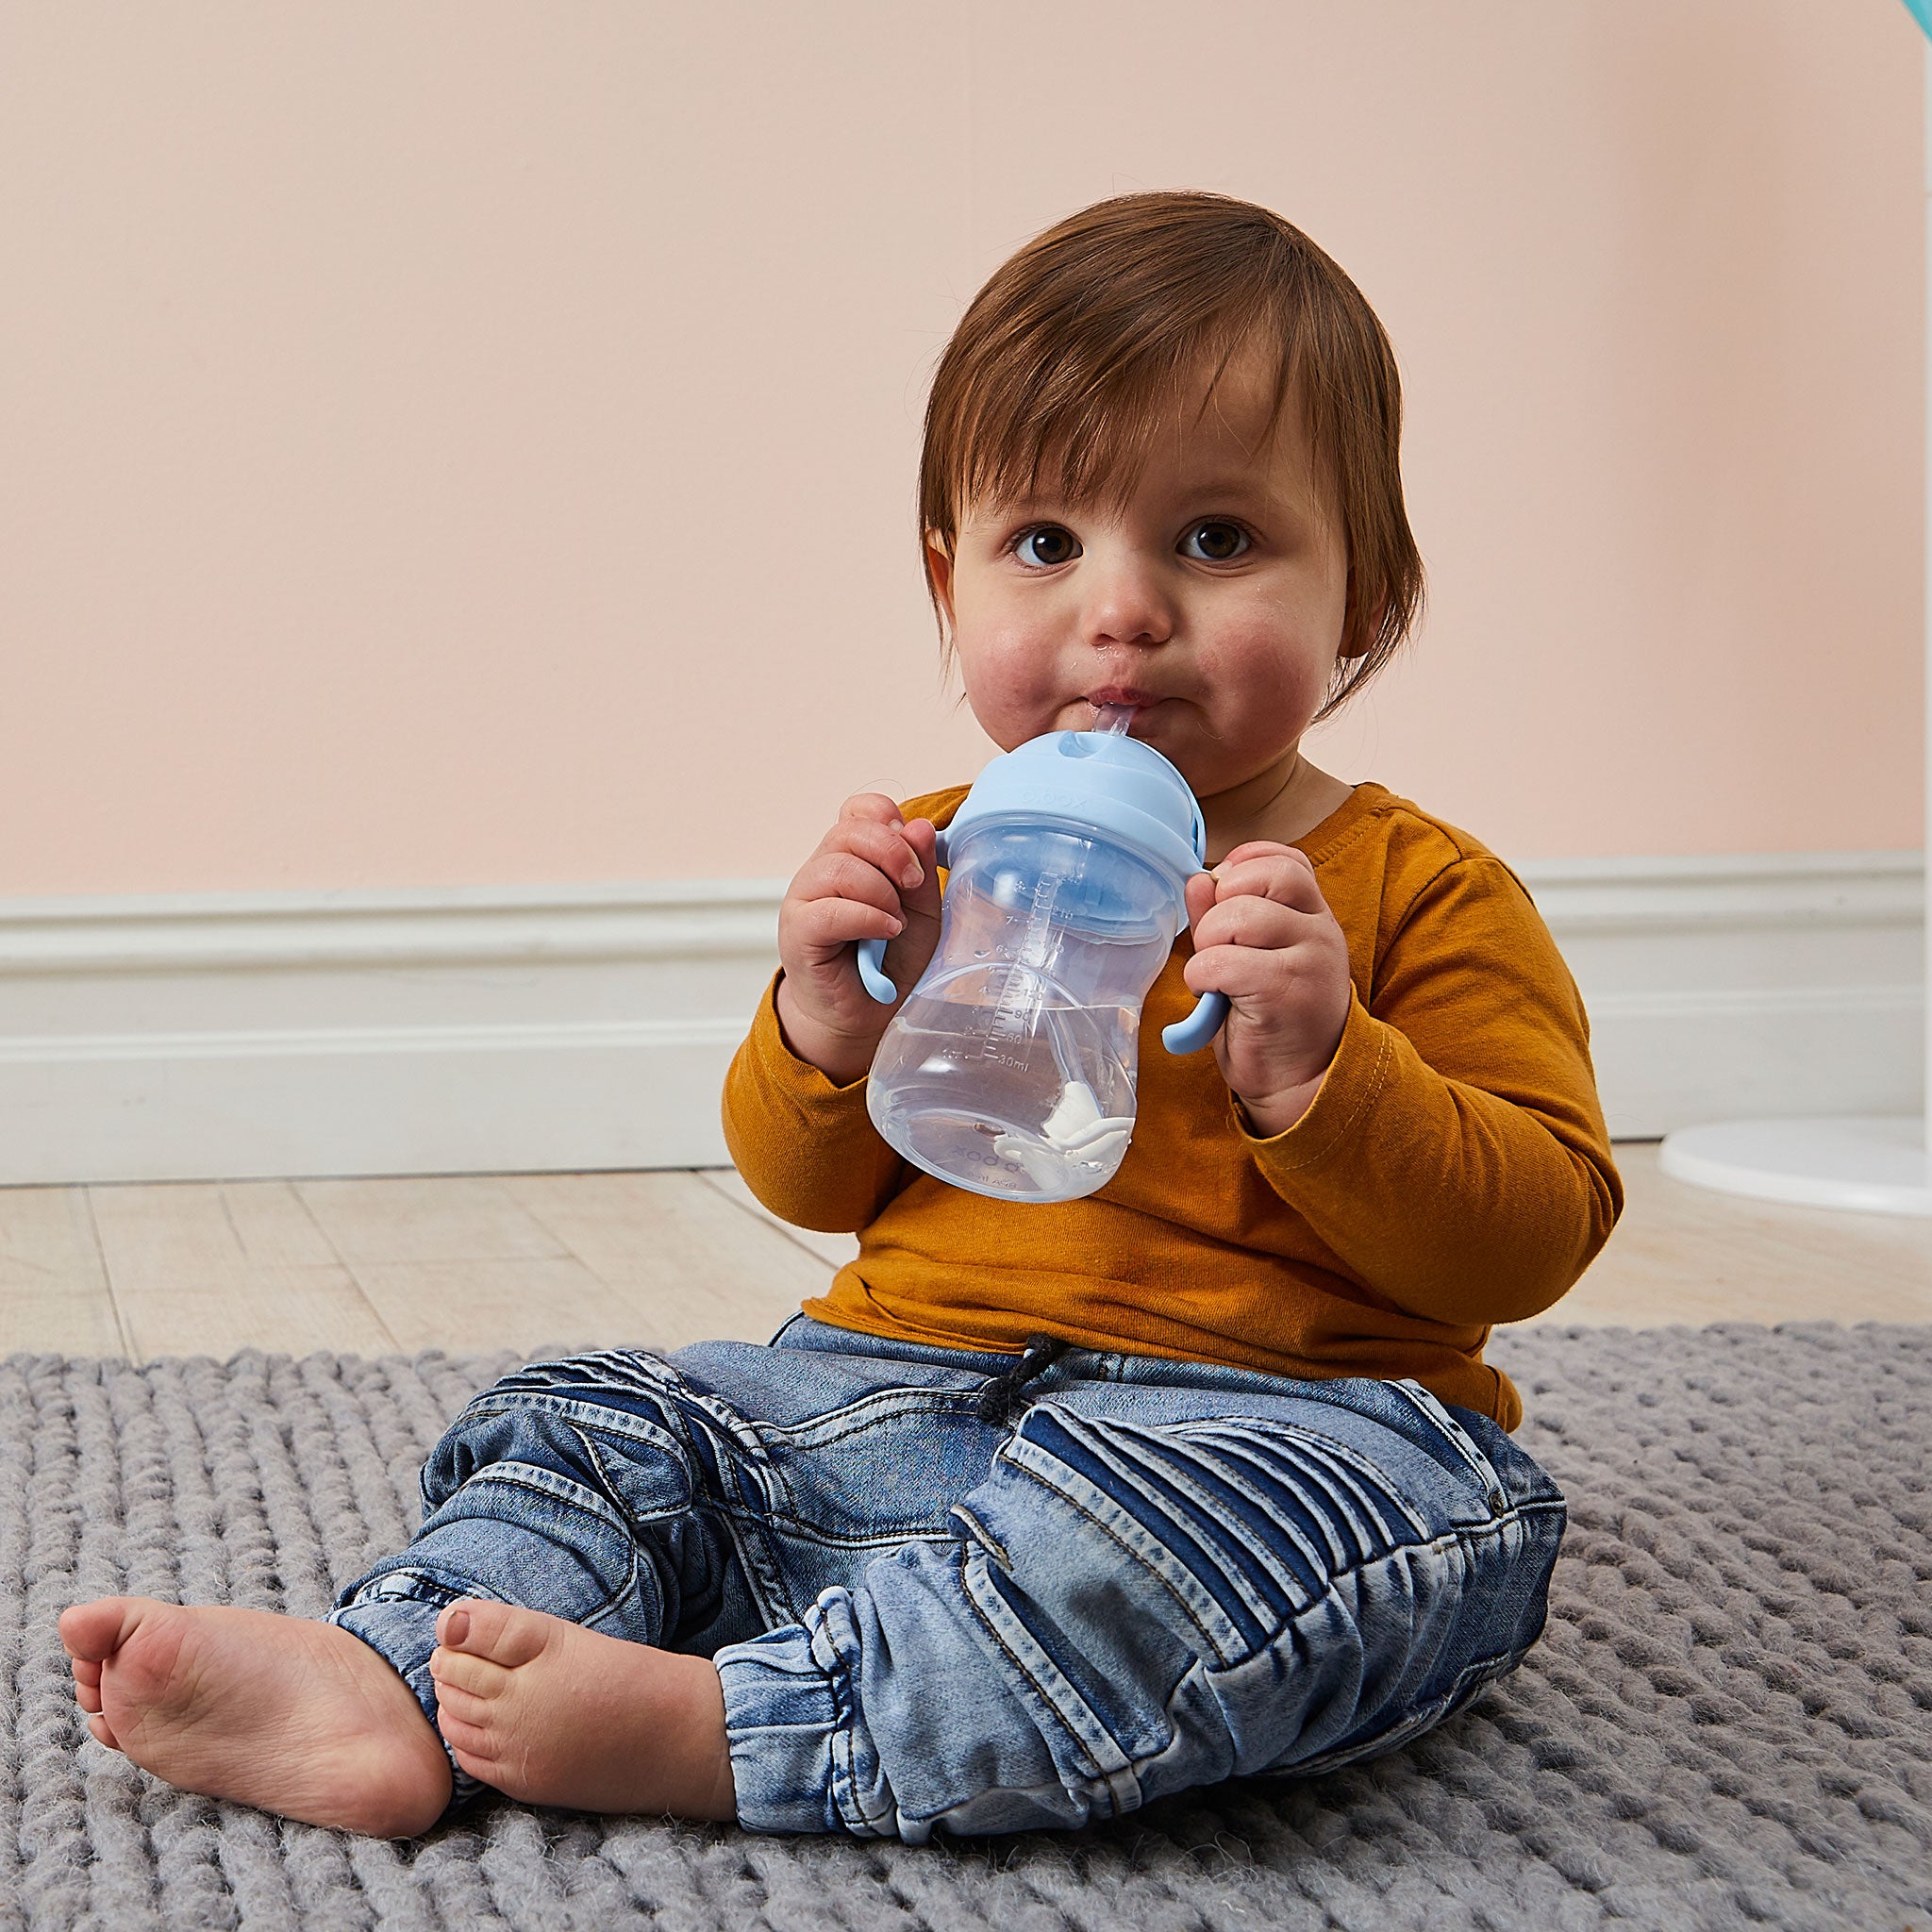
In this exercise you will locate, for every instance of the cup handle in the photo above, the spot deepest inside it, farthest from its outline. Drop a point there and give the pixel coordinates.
(1192, 1034)
(871, 953)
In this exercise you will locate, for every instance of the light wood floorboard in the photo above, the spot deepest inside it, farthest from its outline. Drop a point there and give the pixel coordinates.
(532, 1261)
(200, 1239)
(539, 1304)
(196, 1270)
(680, 1249)
(1688, 1255)
(292, 1310)
(835, 1248)
(47, 1242)
(449, 1218)
(54, 1292)
(70, 1322)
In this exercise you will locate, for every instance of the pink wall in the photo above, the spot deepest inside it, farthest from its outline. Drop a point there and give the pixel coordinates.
(474, 442)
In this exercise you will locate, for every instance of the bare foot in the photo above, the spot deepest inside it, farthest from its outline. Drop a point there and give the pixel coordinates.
(296, 1717)
(555, 1714)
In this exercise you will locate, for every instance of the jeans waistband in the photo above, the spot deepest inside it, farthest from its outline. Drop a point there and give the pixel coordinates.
(1070, 1362)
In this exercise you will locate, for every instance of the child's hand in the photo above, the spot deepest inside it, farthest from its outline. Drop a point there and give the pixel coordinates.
(1264, 936)
(873, 876)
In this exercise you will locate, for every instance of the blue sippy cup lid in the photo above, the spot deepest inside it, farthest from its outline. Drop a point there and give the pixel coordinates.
(1099, 781)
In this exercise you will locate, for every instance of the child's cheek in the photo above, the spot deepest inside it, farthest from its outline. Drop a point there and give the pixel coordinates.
(1269, 679)
(1012, 687)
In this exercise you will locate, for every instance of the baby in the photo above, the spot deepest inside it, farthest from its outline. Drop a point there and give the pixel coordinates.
(1040, 1512)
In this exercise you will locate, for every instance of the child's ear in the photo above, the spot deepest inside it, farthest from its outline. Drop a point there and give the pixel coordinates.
(1360, 631)
(1360, 636)
(939, 574)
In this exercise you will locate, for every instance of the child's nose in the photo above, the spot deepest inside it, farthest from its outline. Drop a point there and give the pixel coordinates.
(1127, 604)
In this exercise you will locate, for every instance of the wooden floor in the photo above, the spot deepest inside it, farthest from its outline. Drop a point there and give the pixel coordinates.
(529, 1261)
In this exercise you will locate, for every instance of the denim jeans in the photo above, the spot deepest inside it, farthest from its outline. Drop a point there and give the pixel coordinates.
(1158, 1574)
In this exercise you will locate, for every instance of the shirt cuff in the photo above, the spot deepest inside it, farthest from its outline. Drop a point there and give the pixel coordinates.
(1344, 1101)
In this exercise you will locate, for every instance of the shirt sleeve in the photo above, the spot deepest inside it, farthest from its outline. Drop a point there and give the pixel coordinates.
(807, 1149)
(1455, 1159)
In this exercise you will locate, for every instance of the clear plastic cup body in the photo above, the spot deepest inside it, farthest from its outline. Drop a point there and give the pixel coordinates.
(1010, 1069)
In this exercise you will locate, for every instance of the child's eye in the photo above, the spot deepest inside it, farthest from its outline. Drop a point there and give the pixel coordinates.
(1046, 544)
(1214, 540)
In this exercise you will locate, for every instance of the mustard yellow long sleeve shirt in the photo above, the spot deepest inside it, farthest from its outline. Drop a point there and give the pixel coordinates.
(1453, 1171)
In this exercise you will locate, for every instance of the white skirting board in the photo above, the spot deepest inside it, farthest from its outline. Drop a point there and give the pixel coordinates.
(229, 1036)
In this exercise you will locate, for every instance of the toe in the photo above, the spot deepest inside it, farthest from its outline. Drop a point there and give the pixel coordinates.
(464, 1704)
(86, 1672)
(88, 1696)
(94, 1631)
(470, 1744)
(504, 1633)
(98, 1726)
(459, 1670)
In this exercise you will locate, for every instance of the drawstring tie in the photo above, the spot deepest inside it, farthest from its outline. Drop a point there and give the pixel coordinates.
(1004, 1392)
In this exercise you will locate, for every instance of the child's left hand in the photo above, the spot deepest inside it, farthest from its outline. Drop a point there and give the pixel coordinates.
(1264, 936)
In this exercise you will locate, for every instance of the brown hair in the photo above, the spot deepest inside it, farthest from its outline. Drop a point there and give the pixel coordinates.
(1064, 361)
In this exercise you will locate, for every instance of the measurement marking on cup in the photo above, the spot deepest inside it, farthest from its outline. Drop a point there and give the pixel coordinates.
(1023, 975)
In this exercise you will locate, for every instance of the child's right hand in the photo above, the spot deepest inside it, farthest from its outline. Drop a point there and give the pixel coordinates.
(873, 876)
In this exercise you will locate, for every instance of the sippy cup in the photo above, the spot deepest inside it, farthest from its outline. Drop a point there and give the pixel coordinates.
(1009, 1070)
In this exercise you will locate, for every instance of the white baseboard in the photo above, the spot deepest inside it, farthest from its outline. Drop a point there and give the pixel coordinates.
(239, 1035)
(1764, 986)
(412, 1032)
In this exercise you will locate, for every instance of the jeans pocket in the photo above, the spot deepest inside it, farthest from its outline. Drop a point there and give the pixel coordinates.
(1436, 1413)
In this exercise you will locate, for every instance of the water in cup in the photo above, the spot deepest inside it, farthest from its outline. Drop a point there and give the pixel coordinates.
(1010, 1069)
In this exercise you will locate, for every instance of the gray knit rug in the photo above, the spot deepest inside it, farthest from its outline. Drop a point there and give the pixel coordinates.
(1728, 1724)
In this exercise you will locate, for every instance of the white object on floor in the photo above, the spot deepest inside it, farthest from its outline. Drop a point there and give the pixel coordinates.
(1875, 1165)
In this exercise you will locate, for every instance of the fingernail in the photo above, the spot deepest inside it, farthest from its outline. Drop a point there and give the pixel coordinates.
(911, 875)
(459, 1628)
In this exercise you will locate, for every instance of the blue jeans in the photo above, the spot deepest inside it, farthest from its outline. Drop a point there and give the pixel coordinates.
(1160, 1575)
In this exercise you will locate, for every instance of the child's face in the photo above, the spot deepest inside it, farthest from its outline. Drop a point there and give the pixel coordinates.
(1212, 600)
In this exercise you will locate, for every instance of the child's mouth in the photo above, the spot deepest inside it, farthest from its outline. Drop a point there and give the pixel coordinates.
(1136, 703)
